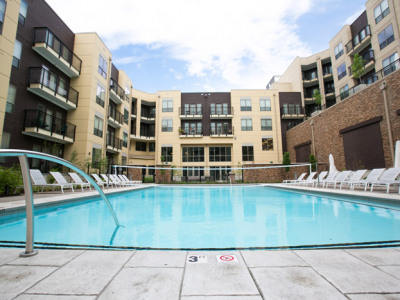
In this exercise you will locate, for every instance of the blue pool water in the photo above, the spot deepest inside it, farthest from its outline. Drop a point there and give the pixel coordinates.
(206, 218)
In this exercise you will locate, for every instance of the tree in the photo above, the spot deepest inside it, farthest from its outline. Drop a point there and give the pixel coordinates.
(317, 96)
(357, 67)
(286, 161)
(313, 162)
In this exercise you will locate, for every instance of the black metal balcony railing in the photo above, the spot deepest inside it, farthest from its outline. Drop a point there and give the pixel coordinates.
(41, 120)
(222, 129)
(292, 109)
(133, 130)
(190, 131)
(134, 111)
(327, 70)
(147, 132)
(44, 35)
(221, 110)
(113, 141)
(358, 38)
(329, 90)
(310, 75)
(115, 114)
(371, 79)
(191, 111)
(151, 114)
(367, 56)
(114, 86)
(50, 80)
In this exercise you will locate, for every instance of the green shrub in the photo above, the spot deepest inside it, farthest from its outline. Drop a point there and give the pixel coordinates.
(313, 162)
(10, 179)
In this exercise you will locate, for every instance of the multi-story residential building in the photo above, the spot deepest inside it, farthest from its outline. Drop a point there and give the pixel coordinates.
(374, 36)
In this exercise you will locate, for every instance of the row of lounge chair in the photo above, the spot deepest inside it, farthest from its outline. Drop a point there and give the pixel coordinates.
(112, 180)
(353, 179)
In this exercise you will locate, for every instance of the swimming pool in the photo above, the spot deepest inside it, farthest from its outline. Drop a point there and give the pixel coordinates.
(235, 217)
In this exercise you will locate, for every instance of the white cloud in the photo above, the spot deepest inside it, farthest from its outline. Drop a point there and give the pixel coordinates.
(240, 41)
(354, 16)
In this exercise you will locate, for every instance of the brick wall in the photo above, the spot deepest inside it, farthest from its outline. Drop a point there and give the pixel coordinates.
(358, 108)
(163, 176)
(272, 174)
(135, 174)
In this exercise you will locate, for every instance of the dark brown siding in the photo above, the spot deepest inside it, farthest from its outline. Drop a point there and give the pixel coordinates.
(359, 24)
(287, 98)
(114, 72)
(303, 152)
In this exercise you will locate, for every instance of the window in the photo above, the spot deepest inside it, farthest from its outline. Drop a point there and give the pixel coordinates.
(247, 125)
(141, 146)
(267, 144)
(23, 10)
(339, 50)
(247, 153)
(221, 128)
(126, 116)
(98, 126)
(193, 109)
(103, 67)
(12, 91)
(96, 158)
(381, 11)
(266, 124)
(193, 154)
(390, 64)
(100, 95)
(386, 36)
(166, 125)
(193, 128)
(220, 154)
(193, 171)
(124, 160)
(17, 54)
(341, 70)
(166, 154)
(125, 139)
(2, 13)
(245, 104)
(152, 147)
(344, 92)
(167, 105)
(219, 109)
(265, 104)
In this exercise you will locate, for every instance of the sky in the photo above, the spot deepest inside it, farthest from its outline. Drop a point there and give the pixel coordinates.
(208, 45)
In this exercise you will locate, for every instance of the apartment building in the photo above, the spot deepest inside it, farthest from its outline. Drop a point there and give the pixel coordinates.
(206, 130)
(374, 36)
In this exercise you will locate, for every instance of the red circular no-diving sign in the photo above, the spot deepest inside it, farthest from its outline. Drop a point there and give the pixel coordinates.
(226, 257)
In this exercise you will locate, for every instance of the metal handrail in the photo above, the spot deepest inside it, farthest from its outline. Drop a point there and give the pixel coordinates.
(23, 158)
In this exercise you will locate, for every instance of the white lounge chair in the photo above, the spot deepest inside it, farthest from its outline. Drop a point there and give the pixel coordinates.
(354, 177)
(119, 181)
(78, 181)
(373, 176)
(98, 180)
(290, 181)
(110, 180)
(126, 179)
(61, 181)
(39, 180)
(387, 179)
(342, 176)
(320, 177)
(309, 179)
(331, 176)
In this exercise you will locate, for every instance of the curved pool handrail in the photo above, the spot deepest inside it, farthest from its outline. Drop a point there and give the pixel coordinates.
(23, 155)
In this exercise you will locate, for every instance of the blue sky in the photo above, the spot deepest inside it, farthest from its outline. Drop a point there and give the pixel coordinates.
(208, 45)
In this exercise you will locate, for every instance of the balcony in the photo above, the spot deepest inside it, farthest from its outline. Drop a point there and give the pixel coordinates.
(113, 143)
(329, 92)
(134, 112)
(148, 116)
(45, 126)
(52, 88)
(310, 78)
(190, 133)
(115, 118)
(51, 48)
(359, 42)
(191, 113)
(369, 62)
(117, 93)
(292, 111)
(222, 131)
(221, 112)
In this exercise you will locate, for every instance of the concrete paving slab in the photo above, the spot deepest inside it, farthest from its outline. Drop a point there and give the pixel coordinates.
(171, 259)
(145, 283)
(14, 280)
(213, 278)
(294, 283)
(271, 259)
(374, 296)
(377, 257)
(49, 258)
(8, 255)
(349, 274)
(87, 274)
(222, 298)
(392, 270)
(53, 297)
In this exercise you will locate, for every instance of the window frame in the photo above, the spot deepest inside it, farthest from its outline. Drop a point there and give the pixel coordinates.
(98, 131)
(103, 66)
(339, 51)
(192, 154)
(382, 13)
(246, 127)
(23, 12)
(166, 152)
(124, 139)
(100, 94)
(166, 125)
(11, 98)
(268, 126)
(245, 104)
(169, 105)
(16, 60)
(342, 74)
(224, 154)
(247, 155)
(267, 144)
(387, 39)
(140, 146)
(265, 101)
(2, 15)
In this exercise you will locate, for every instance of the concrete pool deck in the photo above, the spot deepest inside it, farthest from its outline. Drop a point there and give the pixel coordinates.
(372, 273)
